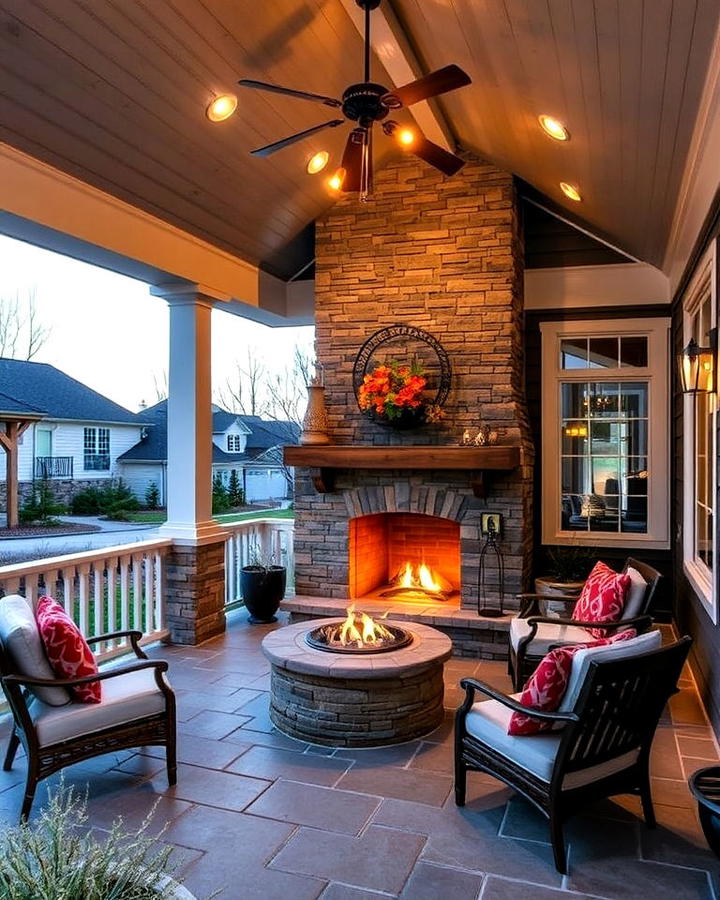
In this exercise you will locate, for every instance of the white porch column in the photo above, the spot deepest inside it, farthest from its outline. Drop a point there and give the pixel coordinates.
(195, 568)
(189, 424)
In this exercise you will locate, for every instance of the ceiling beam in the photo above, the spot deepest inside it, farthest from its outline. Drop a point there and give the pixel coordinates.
(392, 47)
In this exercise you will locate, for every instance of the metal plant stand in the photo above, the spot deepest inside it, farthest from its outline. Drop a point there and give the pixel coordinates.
(491, 546)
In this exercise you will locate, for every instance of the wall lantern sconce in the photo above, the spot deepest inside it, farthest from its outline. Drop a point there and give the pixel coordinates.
(697, 367)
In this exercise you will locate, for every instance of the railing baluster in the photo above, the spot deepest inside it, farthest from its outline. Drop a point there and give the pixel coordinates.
(111, 566)
(137, 586)
(83, 577)
(159, 591)
(67, 576)
(148, 565)
(124, 593)
(98, 583)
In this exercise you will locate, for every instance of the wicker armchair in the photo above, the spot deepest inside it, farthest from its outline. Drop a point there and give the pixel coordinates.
(602, 749)
(533, 634)
(137, 709)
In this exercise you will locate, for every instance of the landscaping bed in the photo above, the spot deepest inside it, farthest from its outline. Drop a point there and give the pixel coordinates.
(24, 531)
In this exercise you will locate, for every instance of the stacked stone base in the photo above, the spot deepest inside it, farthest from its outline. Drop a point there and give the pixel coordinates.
(357, 712)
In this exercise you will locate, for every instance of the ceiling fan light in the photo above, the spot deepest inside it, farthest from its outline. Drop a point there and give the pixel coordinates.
(221, 108)
(335, 182)
(317, 162)
(571, 191)
(554, 128)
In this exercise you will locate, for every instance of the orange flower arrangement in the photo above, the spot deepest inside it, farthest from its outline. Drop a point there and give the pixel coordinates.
(391, 389)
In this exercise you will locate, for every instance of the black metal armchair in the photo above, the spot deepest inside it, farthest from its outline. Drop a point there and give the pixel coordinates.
(137, 709)
(602, 749)
(533, 633)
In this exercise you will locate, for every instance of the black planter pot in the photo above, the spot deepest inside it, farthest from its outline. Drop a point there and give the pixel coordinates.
(263, 587)
(408, 418)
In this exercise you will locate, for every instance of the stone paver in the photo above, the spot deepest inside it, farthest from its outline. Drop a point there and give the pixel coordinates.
(261, 816)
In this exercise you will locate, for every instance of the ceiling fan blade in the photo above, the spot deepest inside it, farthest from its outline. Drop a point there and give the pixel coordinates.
(294, 138)
(352, 160)
(436, 156)
(289, 92)
(449, 78)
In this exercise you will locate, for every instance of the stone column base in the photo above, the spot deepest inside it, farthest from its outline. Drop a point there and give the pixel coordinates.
(195, 592)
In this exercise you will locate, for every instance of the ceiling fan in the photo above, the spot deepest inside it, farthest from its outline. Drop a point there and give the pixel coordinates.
(366, 103)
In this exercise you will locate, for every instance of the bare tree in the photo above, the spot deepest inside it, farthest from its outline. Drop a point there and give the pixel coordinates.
(286, 389)
(160, 385)
(245, 392)
(22, 334)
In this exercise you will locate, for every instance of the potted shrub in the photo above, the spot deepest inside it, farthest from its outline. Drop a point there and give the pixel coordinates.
(568, 567)
(263, 588)
(58, 856)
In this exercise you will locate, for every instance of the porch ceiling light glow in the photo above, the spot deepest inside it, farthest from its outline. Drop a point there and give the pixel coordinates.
(554, 128)
(570, 191)
(335, 182)
(317, 162)
(697, 367)
(221, 108)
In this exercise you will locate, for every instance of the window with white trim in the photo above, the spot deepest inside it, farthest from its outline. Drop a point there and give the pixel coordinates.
(699, 445)
(605, 432)
(234, 443)
(96, 449)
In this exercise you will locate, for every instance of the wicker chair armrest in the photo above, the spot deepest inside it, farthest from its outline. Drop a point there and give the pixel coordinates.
(135, 637)
(159, 664)
(645, 621)
(471, 685)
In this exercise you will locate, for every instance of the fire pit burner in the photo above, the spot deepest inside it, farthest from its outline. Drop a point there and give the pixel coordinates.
(358, 633)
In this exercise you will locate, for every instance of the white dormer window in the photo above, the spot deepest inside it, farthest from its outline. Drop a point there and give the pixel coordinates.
(233, 443)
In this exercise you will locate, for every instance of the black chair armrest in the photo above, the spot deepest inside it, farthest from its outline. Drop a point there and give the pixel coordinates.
(645, 621)
(471, 685)
(158, 664)
(135, 637)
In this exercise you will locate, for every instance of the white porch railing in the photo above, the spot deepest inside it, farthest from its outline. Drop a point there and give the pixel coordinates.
(111, 589)
(265, 540)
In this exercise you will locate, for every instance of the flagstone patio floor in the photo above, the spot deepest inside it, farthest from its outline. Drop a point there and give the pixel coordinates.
(260, 815)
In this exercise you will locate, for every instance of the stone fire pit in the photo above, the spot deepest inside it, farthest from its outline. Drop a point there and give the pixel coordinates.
(356, 701)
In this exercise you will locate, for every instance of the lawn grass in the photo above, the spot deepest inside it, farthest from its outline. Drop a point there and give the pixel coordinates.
(158, 516)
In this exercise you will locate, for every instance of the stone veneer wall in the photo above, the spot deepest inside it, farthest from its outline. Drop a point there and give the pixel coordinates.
(195, 592)
(443, 254)
(64, 489)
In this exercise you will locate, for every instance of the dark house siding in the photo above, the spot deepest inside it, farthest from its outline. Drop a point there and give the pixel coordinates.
(613, 556)
(690, 614)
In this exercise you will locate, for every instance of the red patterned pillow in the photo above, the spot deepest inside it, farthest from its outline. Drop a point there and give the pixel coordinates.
(602, 598)
(546, 686)
(67, 650)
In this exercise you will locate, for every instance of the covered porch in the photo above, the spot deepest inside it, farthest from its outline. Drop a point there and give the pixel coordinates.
(561, 314)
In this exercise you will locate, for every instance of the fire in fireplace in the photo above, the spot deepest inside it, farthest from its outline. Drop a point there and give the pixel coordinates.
(408, 557)
(358, 633)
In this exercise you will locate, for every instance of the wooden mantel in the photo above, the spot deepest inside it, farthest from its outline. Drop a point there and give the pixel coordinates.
(325, 459)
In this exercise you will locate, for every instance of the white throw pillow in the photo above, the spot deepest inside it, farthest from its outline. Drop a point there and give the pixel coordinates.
(21, 640)
(643, 643)
(636, 594)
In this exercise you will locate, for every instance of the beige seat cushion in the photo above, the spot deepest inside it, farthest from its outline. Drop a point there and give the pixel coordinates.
(124, 699)
(22, 642)
(547, 635)
(488, 722)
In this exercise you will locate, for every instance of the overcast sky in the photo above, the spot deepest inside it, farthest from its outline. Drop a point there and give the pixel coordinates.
(108, 332)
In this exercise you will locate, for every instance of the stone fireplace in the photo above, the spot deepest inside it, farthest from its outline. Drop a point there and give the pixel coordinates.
(444, 255)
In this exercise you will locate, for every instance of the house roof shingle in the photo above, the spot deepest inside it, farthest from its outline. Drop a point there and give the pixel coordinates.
(10, 405)
(264, 435)
(42, 387)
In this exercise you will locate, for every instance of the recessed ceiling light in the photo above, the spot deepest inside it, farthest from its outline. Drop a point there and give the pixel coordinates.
(570, 191)
(221, 108)
(406, 137)
(554, 128)
(335, 182)
(317, 162)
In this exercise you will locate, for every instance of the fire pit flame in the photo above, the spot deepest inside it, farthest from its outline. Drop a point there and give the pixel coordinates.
(358, 633)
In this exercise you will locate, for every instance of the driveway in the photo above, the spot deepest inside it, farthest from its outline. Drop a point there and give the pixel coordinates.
(113, 533)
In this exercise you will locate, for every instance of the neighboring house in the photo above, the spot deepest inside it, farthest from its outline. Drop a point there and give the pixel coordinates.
(78, 439)
(248, 444)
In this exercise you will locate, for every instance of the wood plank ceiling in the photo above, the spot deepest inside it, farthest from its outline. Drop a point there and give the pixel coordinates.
(114, 92)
